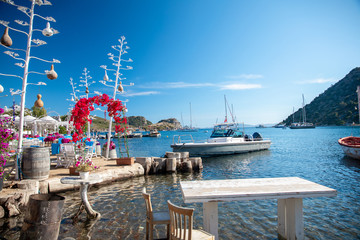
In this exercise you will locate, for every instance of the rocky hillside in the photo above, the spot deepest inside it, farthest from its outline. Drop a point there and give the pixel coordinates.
(336, 106)
(100, 124)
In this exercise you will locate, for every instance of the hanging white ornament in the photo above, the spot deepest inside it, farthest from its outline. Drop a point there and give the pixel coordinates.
(106, 77)
(47, 31)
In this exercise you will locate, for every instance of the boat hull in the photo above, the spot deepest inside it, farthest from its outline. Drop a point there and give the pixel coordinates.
(350, 146)
(301, 127)
(214, 149)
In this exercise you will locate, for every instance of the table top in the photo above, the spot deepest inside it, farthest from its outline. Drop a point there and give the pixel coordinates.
(93, 178)
(252, 189)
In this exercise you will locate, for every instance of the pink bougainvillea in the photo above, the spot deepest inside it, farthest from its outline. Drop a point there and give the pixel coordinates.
(80, 113)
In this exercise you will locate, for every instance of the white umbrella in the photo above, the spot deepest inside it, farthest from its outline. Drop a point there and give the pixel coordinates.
(29, 118)
(48, 119)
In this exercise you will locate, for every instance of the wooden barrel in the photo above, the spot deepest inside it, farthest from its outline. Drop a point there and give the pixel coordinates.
(43, 217)
(36, 163)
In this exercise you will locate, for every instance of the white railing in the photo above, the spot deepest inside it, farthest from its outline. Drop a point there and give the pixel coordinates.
(188, 139)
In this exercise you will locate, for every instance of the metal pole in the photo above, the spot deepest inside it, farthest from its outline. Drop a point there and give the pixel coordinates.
(114, 97)
(23, 94)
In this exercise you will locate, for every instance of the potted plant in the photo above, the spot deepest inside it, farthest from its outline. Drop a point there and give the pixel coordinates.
(125, 158)
(112, 150)
(84, 167)
(6, 135)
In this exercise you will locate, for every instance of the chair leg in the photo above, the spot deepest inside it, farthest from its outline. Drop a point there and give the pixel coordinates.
(147, 230)
(151, 231)
(168, 232)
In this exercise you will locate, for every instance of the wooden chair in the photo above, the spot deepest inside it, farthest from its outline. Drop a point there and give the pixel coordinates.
(181, 225)
(153, 218)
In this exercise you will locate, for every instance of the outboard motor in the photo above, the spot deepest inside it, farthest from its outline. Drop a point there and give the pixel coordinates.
(248, 137)
(257, 136)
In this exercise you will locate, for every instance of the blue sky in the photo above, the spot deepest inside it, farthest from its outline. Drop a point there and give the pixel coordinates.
(263, 55)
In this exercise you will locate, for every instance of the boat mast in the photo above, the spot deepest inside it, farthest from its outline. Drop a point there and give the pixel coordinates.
(190, 118)
(293, 114)
(225, 109)
(358, 94)
(303, 109)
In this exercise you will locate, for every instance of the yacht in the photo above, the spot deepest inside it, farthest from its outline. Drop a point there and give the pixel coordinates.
(226, 138)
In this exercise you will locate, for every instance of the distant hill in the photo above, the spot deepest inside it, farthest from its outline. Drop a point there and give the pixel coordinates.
(100, 124)
(336, 106)
(138, 121)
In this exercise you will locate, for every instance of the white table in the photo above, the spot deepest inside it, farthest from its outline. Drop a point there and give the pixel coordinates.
(288, 190)
(84, 184)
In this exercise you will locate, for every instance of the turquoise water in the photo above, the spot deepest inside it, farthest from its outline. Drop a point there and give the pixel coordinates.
(312, 154)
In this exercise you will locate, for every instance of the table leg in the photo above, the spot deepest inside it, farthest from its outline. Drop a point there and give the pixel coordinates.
(90, 212)
(210, 211)
(290, 219)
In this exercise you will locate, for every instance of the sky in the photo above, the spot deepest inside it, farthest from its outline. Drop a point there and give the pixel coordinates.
(263, 55)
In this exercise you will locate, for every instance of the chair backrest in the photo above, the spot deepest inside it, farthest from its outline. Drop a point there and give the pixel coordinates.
(68, 147)
(181, 222)
(147, 198)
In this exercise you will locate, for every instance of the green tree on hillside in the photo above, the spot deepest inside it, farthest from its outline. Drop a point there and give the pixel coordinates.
(38, 112)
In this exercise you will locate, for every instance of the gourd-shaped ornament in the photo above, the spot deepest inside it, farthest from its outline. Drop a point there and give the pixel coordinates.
(87, 90)
(120, 88)
(39, 103)
(52, 74)
(47, 31)
(106, 77)
(6, 39)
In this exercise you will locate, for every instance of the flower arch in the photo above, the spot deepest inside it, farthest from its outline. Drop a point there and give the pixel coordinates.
(82, 109)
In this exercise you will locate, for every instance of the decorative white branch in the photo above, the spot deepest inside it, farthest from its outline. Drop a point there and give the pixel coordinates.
(37, 84)
(49, 19)
(38, 73)
(10, 75)
(14, 55)
(17, 92)
(22, 23)
(14, 29)
(20, 65)
(53, 61)
(14, 49)
(38, 42)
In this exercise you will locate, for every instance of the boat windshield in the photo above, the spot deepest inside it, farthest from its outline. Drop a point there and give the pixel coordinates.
(226, 133)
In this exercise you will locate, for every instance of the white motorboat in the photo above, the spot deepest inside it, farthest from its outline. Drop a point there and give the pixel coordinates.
(226, 138)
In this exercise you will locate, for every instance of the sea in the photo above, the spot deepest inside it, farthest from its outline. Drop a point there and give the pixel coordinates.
(312, 154)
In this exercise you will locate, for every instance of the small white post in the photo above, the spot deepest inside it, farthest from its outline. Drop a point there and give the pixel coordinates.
(281, 218)
(210, 211)
(294, 219)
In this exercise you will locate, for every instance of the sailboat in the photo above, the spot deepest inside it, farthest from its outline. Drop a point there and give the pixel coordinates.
(303, 124)
(187, 128)
(226, 138)
(351, 145)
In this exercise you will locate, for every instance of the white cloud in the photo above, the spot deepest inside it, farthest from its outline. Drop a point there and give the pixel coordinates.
(175, 85)
(222, 86)
(141, 93)
(240, 86)
(317, 81)
(245, 76)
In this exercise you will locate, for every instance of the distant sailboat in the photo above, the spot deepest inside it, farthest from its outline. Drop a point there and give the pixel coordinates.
(187, 128)
(303, 124)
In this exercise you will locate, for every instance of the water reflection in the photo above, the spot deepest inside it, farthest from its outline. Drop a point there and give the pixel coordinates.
(351, 163)
(313, 155)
